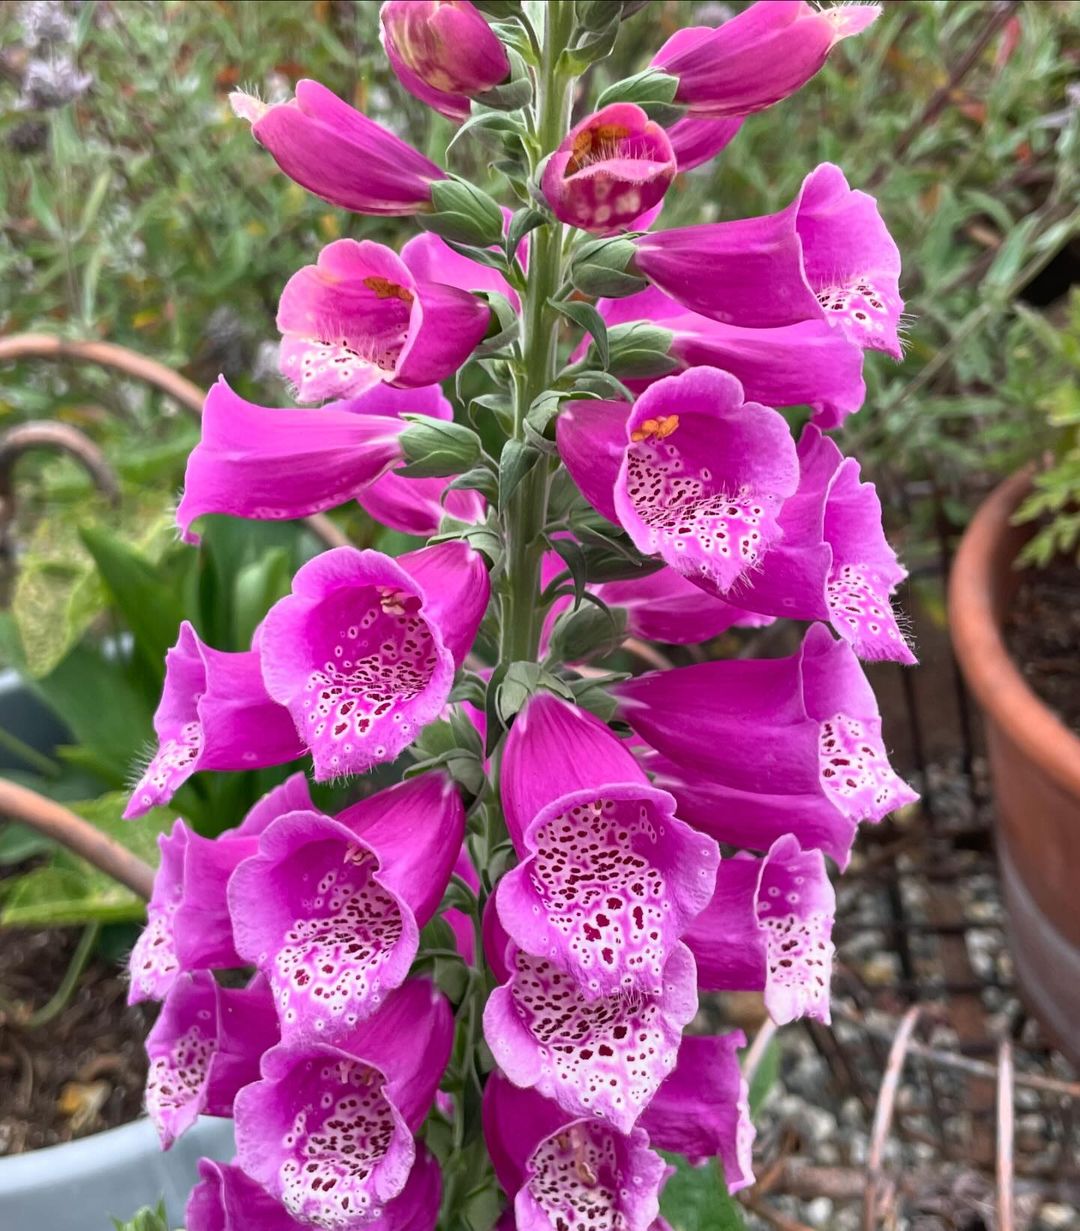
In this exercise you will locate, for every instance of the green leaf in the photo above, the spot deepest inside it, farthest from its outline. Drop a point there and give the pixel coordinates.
(765, 1077)
(697, 1199)
(523, 221)
(257, 587)
(147, 1219)
(77, 690)
(586, 317)
(19, 843)
(515, 462)
(151, 612)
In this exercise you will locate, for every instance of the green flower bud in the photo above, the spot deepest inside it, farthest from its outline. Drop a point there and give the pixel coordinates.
(434, 447)
(463, 213)
(605, 267)
(640, 348)
(588, 632)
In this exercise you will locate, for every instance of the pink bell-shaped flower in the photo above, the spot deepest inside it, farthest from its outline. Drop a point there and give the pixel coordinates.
(610, 170)
(443, 52)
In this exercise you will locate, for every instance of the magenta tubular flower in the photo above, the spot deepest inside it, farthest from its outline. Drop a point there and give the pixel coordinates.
(610, 169)
(226, 1199)
(827, 257)
(431, 259)
(702, 474)
(332, 150)
(204, 1046)
(603, 1057)
(759, 57)
(363, 652)
(417, 506)
(413, 506)
(214, 713)
(833, 562)
(358, 317)
(702, 1110)
(254, 461)
(808, 364)
(329, 1131)
(769, 928)
(560, 1170)
(188, 925)
(784, 745)
(189, 888)
(330, 910)
(665, 607)
(443, 52)
(609, 878)
(695, 141)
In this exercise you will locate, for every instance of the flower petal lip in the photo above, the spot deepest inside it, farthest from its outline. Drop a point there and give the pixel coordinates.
(769, 927)
(358, 318)
(826, 256)
(555, 748)
(337, 153)
(214, 713)
(204, 1046)
(553, 1164)
(349, 321)
(611, 880)
(378, 1089)
(363, 651)
(757, 58)
(610, 170)
(330, 909)
(833, 562)
(602, 1057)
(703, 477)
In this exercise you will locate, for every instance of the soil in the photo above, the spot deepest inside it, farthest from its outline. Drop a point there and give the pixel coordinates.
(1043, 636)
(81, 1072)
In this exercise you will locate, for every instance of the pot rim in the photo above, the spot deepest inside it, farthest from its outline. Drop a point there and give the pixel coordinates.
(980, 648)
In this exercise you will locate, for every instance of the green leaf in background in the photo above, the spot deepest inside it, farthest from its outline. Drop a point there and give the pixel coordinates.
(151, 611)
(765, 1077)
(697, 1199)
(146, 1219)
(67, 890)
(94, 692)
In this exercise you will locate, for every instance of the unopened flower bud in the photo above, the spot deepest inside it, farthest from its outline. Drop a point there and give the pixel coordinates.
(464, 214)
(443, 53)
(435, 447)
(640, 349)
(610, 171)
(605, 267)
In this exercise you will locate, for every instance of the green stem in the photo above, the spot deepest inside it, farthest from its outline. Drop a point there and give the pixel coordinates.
(526, 513)
(64, 992)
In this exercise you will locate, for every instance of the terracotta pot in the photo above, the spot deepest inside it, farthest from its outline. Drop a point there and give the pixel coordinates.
(1035, 768)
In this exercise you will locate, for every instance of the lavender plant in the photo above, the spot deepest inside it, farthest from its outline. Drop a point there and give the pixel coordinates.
(470, 990)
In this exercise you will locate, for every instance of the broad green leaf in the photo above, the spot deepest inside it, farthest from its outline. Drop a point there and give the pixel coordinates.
(697, 1199)
(151, 612)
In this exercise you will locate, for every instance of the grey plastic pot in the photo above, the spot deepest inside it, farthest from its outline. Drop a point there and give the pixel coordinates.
(83, 1185)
